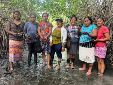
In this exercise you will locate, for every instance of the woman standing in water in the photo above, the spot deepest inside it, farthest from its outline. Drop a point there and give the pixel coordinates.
(57, 41)
(101, 48)
(15, 28)
(44, 31)
(86, 46)
(73, 34)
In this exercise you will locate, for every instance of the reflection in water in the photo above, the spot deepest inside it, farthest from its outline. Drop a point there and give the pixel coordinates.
(39, 75)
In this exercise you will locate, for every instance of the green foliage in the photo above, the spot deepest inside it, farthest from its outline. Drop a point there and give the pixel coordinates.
(56, 8)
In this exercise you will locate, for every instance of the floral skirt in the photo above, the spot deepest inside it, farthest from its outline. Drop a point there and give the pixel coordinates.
(15, 50)
(100, 52)
(46, 46)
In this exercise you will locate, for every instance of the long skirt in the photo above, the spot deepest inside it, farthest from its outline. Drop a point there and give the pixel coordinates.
(15, 50)
(73, 49)
(87, 54)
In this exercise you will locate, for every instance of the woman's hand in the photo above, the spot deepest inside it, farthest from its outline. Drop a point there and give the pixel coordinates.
(99, 40)
(14, 34)
(85, 33)
(63, 49)
(96, 40)
(51, 43)
(19, 34)
(41, 37)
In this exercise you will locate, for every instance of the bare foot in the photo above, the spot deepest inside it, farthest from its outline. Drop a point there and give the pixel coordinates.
(72, 66)
(58, 67)
(49, 67)
(67, 66)
(82, 69)
(44, 64)
(11, 70)
(88, 73)
(100, 74)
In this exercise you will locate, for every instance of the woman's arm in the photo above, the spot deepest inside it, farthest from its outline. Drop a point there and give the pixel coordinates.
(7, 29)
(39, 31)
(64, 36)
(94, 33)
(50, 30)
(107, 38)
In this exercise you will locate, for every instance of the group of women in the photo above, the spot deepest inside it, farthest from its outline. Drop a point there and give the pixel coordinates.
(90, 39)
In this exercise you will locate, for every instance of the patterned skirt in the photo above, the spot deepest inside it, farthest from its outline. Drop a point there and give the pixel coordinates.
(15, 50)
(46, 46)
(100, 52)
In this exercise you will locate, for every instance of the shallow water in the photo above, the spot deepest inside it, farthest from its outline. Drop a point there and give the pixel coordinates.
(39, 75)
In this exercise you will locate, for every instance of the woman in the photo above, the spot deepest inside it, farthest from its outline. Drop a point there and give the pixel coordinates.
(44, 32)
(57, 41)
(73, 34)
(101, 48)
(15, 30)
(31, 34)
(86, 44)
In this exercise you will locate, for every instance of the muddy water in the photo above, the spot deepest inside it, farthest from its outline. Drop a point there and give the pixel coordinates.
(40, 75)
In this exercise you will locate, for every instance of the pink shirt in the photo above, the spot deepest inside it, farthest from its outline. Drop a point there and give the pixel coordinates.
(100, 35)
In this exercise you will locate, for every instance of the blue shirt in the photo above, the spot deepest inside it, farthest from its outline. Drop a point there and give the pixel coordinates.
(30, 30)
(86, 38)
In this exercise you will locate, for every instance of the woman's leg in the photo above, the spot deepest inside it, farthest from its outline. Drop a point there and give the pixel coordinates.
(83, 67)
(30, 47)
(90, 69)
(52, 55)
(10, 66)
(102, 69)
(48, 55)
(48, 61)
(35, 58)
(44, 58)
(35, 52)
(99, 65)
(58, 49)
(43, 44)
(72, 61)
(68, 60)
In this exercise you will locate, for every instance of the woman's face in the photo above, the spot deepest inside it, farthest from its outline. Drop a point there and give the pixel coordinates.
(73, 21)
(32, 18)
(45, 17)
(59, 24)
(100, 22)
(16, 15)
(87, 22)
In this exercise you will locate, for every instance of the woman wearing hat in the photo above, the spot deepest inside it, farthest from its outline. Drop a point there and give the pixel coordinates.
(57, 41)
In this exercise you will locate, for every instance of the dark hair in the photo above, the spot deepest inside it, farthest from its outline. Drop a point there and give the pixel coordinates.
(45, 13)
(90, 18)
(16, 12)
(73, 16)
(59, 20)
(32, 14)
(102, 18)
